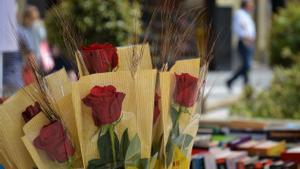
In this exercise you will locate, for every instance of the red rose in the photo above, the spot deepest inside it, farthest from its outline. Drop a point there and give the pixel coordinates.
(106, 104)
(186, 90)
(54, 141)
(100, 58)
(156, 112)
(31, 111)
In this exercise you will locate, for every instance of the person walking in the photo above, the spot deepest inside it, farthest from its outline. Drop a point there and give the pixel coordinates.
(10, 57)
(244, 28)
(33, 35)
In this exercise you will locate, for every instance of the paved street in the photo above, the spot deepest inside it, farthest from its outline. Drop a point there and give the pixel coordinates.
(260, 78)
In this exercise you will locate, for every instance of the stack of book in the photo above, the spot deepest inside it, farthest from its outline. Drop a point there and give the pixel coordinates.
(226, 159)
(292, 154)
(263, 148)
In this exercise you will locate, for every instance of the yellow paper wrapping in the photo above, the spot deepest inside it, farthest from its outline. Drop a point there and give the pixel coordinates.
(167, 86)
(59, 84)
(180, 161)
(11, 130)
(4, 159)
(142, 50)
(139, 100)
(192, 67)
(11, 121)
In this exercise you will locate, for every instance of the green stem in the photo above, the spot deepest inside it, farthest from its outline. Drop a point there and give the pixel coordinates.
(112, 139)
(70, 163)
(179, 111)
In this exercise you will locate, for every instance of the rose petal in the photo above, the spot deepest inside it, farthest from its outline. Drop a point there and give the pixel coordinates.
(186, 90)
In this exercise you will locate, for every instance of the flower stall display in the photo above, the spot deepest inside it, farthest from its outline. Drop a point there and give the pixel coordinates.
(135, 118)
(122, 113)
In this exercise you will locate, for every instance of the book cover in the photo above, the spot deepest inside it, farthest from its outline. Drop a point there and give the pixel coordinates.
(292, 155)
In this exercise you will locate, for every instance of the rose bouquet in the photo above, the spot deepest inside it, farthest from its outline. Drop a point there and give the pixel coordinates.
(51, 136)
(179, 89)
(114, 113)
(21, 109)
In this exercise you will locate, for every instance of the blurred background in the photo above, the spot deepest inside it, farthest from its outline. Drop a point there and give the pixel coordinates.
(272, 85)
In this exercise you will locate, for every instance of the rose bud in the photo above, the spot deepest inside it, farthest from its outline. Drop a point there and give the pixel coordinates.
(54, 140)
(106, 104)
(100, 58)
(31, 111)
(186, 90)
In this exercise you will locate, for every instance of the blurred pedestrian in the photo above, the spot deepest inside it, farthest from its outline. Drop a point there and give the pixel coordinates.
(33, 34)
(10, 58)
(244, 28)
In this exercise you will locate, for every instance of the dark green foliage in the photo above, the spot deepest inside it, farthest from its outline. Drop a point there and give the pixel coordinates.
(112, 21)
(285, 39)
(281, 100)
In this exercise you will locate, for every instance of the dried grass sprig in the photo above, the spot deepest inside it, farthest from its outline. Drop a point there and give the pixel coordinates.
(72, 39)
(172, 35)
(42, 92)
(206, 54)
(136, 54)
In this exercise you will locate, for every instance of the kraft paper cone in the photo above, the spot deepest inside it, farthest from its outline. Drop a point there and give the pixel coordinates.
(167, 86)
(139, 100)
(142, 50)
(145, 83)
(32, 130)
(192, 67)
(11, 121)
(4, 160)
(59, 84)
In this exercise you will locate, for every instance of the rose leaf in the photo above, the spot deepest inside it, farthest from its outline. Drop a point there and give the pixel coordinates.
(183, 141)
(95, 164)
(153, 161)
(144, 163)
(169, 150)
(124, 143)
(104, 129)
(174, 115)
(133, 154)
